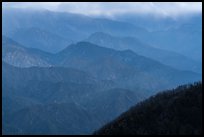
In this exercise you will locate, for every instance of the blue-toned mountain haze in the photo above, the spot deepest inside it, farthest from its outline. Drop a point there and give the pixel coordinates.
(71, 68)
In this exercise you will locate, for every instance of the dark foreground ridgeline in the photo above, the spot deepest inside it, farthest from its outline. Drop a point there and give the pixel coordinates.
(173, 112)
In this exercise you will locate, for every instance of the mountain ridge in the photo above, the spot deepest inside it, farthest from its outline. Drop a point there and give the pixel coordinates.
(166, 57)
(176, 111)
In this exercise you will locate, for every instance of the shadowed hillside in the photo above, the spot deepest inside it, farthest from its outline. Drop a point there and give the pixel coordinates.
(177, 111)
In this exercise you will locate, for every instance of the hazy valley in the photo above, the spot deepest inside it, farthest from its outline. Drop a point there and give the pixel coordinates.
(66, 73)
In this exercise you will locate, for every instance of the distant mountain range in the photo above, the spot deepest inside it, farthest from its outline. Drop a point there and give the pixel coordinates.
(116, 66)
(65, 73)
(174, 112)
(126, 68)
(166, 57)
(180, 34)
(76, 80)
(153, 23)
(44, 29)
(47, 28)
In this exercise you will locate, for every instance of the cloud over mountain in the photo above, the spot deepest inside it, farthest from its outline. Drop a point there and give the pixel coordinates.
(110, 9)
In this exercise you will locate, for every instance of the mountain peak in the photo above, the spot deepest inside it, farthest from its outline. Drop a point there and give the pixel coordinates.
(87, 46)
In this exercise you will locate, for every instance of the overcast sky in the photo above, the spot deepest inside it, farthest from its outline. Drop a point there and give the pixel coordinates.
(170, 9)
